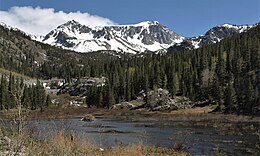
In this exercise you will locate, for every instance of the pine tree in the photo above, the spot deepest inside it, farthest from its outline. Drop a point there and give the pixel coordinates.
(111, 98)
(216, 92)
(48, 101)
(128, 86)
(33, 97)
(173, 82)
(26, 101)
(249, 97)
(229, 98)
(11, 92)
(3, 94)
(100, 99)
(146, 90)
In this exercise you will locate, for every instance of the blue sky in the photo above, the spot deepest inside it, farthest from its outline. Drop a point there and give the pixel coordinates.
(185, 17)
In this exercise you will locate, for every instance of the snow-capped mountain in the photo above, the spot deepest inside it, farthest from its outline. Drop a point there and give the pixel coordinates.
(141, 37)
(149, 35)
(213, 35)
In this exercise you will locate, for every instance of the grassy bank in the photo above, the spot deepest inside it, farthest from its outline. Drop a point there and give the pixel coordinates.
(193, 114)
(70, 144)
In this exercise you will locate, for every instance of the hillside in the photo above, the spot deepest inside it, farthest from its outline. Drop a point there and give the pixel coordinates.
(225, 73)
(29, 57)
(17, 75)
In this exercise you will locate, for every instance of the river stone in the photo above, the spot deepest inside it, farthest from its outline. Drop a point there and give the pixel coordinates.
(88, 117)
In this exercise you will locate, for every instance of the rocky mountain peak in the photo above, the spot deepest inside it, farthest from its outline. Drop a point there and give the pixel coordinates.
(218, 33)
(147, 23)
(70, 26)
(213, 35)
(135, 38)
(72, 22)
(148, 35)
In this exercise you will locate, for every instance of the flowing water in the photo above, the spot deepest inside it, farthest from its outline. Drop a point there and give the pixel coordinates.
(197, 138)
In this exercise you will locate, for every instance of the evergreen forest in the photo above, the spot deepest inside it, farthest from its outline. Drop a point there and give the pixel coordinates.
(226, 73)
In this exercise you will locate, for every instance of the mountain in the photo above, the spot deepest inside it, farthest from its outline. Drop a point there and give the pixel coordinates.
(213, 35)
(141, 37)
(228, 75)
(20, 53)
(137, 38)
(145, 36)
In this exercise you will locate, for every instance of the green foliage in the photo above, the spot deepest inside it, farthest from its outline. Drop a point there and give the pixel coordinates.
(32, 97)
(226, 72)
(229, 98)
(3, 93)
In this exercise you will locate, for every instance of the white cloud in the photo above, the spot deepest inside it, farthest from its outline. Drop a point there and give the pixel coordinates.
(40, 21)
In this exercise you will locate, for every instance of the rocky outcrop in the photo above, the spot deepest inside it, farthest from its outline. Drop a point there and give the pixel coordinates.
(169, 104)
(161, 100)
(79, 87)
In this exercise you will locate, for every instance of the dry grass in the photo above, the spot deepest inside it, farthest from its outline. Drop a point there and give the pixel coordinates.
(72, 145)
(193, 114)
(61, 144)
(69, 144)
(135, 150)
(68, 112)
(197, 110)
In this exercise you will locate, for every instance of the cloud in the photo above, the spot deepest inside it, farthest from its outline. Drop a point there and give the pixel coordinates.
(40, 21)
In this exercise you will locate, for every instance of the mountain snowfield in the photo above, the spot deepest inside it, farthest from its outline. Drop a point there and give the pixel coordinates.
(136, 38)
(149, 35)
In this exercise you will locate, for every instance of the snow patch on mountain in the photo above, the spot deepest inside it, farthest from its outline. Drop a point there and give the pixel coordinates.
(240, 28)
(136, 38)
(213, 35)
(149, 35)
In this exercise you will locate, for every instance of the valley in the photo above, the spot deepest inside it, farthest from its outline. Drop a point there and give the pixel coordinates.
(148, 89)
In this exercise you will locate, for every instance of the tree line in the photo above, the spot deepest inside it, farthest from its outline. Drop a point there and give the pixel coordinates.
(226, 73)
(13, 91)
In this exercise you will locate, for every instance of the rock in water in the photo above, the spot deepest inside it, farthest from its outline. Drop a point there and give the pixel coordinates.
(88, 117)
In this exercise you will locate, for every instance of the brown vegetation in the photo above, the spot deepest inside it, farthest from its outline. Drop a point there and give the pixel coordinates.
(70, 144)
(193, 114)
(63, 144)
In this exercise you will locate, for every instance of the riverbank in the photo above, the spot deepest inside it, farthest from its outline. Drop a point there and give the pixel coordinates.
(119, 127)
(200, 117)
(193, 114)
(71, 144)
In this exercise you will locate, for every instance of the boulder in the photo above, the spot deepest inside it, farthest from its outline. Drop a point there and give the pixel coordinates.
(88, 117)
(123, 105)
(163, 102)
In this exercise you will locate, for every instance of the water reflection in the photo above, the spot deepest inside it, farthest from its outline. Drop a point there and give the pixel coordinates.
(196, 138)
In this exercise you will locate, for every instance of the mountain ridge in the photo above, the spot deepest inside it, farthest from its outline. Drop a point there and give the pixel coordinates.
(132, 38)
(149, 35)
(213, 35)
